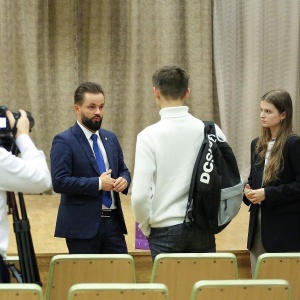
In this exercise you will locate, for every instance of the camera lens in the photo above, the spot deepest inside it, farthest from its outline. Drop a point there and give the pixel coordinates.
(6, 133)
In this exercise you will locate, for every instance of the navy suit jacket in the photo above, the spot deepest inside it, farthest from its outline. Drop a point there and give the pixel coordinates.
(280, 211)
(75, 175)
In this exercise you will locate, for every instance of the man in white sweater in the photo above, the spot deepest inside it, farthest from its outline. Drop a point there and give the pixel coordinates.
(28, 173)
(165, 156)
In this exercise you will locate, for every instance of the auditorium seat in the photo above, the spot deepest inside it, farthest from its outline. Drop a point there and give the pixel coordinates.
(20, 291)
(68, 269)
(179, 271)
(118, 291)
(246, 289)
(280, 266)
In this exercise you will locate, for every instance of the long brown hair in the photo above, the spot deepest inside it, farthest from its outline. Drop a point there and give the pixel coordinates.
(283, 103)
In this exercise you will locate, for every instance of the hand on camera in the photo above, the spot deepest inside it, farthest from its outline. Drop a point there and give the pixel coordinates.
(22, 124)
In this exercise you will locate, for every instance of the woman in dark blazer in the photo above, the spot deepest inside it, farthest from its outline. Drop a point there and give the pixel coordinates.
(273, 188)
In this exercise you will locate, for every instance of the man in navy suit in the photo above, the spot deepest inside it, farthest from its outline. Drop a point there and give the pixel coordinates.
(87, 224)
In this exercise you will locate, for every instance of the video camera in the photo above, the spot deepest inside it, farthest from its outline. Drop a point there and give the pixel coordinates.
(7, 134)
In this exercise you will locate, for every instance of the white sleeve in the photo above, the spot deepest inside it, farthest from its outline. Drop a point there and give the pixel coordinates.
(28, 173)
(142, 183)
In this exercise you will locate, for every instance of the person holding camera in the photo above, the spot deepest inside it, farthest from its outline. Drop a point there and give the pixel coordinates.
(28, 174)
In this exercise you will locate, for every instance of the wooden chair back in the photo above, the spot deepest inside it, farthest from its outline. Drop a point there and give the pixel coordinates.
(280, 266)
(69, 269)
(118, 291)
(247, 289)
(20, 291)
(179, 271)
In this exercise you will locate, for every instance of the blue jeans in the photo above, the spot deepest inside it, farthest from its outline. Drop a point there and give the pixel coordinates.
(181, 239)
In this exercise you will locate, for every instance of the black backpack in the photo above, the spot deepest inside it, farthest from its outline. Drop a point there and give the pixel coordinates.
(216, 189)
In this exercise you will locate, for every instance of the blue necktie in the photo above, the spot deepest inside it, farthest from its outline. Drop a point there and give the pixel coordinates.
(107, 201)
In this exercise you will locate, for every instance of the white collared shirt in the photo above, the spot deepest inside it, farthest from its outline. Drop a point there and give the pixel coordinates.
(88, 135)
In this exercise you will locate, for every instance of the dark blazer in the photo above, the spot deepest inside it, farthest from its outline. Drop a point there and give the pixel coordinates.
(280, 211)
(75, 175)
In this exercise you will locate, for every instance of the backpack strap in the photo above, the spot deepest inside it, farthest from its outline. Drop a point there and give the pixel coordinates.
(209, 127)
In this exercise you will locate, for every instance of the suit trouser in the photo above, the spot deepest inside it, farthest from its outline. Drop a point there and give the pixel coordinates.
(108, 240)
(4, 272)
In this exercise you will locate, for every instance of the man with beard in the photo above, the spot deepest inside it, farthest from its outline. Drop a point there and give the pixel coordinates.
(88, 169)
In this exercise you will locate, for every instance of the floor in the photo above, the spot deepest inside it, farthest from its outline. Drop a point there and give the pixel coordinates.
(42, 211)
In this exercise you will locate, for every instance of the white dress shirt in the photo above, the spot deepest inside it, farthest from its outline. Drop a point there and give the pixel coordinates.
(88, 135)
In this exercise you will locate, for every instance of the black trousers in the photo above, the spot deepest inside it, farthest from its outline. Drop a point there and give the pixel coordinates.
(4, 272)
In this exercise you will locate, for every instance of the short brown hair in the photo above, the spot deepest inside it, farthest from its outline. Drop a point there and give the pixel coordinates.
(87, 87)
(172, 81)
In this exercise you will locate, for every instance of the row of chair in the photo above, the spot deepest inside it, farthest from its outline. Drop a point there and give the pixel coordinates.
(178, 272)
(247, 289)
(202, 290)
